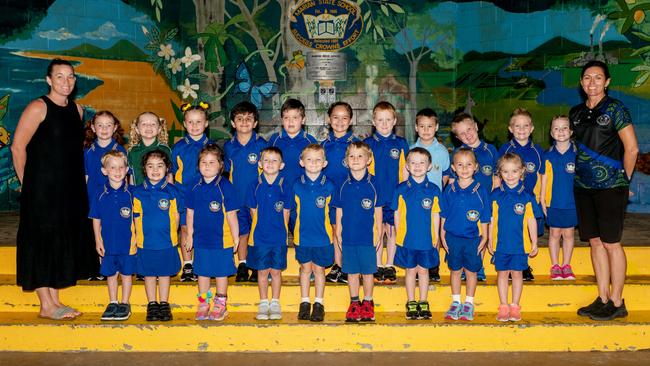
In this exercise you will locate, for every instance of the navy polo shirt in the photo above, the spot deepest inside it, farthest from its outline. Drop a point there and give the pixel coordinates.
(487, 156)
(242, 162)
(185, 162)
(93, 165)
(511, 209)
(358, 200)
(560, 169)
(532, 154)
(465, 209)
(210, 203)
(311, 200)
(388, 161)
(269, 200)
(335, 148)
(291, 148)
(156, 210)
(416, 203)
(114, 208)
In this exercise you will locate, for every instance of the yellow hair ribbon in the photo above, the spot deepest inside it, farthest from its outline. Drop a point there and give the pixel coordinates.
(185, 106)
(204, 105)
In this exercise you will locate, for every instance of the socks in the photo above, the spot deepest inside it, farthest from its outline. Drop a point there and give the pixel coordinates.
(304, 299)
(264, 301)
(455, 298)
(242, 261)
(188, 262)
(469, 299)
(367, 298)
(354, 299)
(275, 300)
(318, 300)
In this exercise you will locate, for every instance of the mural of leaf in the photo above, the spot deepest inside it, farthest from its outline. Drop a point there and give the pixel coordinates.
(4, 103)
(384, 9)
(641, 50)
(642, 36)
(396, 8)
(641, 79)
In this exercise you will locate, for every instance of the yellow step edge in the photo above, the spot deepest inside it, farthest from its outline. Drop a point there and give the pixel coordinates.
(638, 262)
(391, 332)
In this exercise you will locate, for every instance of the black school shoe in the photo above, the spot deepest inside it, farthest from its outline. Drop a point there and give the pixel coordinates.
(303, 312)
(609, 311)
(153, 311)
(242, 273)
(123, 312)
(528, 274)
(253, 277)
(165, 312)
(434, 274)
(594, 306)
(109, 313)
(390, 275)
(317, 313)
(379, 275)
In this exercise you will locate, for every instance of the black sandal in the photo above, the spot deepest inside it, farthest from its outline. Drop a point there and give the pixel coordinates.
(153, 311)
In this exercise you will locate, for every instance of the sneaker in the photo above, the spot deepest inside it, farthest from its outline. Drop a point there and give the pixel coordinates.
(242, 273)
(480, 275)
(379, 275)
(343, 277)
(202, 310)
(123, 312)
(591, 308)
(467, 312)
(609, 311)
(304, 311)
(263, 311)
(556, 273)
(188, 273)
(434, 274)
(425, 312)
(165, 312)
(454, 311)
(109, 313)
(334, 274)
(515, 313)
(275, 312)
(153, 311)
(567, 272)
(353, 314)
(390, 275)
(139, 277)
(412, 310)
(368, 311)
(97, 277)
(317, 313)
(504, 313)
(220, 310)
(253, 277)
(528, 274)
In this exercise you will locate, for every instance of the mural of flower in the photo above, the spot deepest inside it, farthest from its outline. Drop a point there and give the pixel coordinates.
(188, 89)
(189, 58)
(166, 51)
(174, 65)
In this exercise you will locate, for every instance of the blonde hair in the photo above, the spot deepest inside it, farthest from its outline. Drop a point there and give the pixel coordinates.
(463, 151)
(114, 154)
(521, 112)
(560, 116)
(314, 148)
(359, 145)
(511, 158)
(134, 136)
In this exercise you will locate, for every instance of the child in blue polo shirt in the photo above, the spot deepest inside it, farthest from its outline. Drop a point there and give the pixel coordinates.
(389, 168)
(212, 231)
(521, 127)
(358, 224)
(557, 199)
(311, 195)
(242, 154)
(156, 205)
(426, 126)
(185, 171)
(417, 221)
(112, 214)
(339, 116)
(513, 233)
(267, 252)
(464, 230)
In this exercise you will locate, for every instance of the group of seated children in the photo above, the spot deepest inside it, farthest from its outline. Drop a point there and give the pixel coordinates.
(338, 200)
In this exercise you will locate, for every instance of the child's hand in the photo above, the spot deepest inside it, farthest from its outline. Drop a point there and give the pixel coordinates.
(481, 247)
(234, 248)
(544, 210)
(99, 247)
(533, 251)
(444, 244)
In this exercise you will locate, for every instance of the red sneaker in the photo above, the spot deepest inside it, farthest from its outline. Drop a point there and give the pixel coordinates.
(367, 311)
(353, 314)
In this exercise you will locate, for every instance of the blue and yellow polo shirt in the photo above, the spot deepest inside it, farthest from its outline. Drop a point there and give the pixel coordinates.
(511, 209)
(291, 148)
(389, 159)
(114, 208)
(358, 200)
(560, 172)
(185, 162)
(311, 200)
(242, 162)
(416, 203)
(465, 209)
(269, 201)
(532, 154)
(335, 148)
(156, 210)
(93, 155)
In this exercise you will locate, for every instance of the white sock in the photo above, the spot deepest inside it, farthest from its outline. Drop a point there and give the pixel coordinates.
(275, 300)
(264, 301)
(114, 302)
(367, 298)
(318, 300)
(188, 262)
(469, 299)
(242, 261)
(304, 299)
(455, 298)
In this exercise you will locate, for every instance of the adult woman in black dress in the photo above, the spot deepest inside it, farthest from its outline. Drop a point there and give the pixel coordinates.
(54, 244)
(607, 152)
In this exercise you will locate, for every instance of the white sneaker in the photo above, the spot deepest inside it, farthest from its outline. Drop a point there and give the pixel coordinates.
(263, 311)
(275, 312)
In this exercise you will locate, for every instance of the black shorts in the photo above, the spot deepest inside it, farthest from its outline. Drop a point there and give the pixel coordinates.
(601, 213)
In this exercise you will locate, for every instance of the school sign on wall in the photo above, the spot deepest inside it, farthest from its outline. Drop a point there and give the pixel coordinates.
(326, 25)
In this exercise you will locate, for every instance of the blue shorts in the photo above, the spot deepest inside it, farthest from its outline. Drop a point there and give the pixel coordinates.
(388, 216)
(216, 262)
(359, 259)
(510, 262)
(267, 257)
(561, 218)
(410, 258)
(244, 219)
(462, 253)
(321, 256)
(164, 262)
(123, 263)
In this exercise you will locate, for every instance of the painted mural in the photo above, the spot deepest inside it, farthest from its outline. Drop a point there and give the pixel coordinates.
(482, 57)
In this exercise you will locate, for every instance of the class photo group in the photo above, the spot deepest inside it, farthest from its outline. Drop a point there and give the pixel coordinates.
(234, 209)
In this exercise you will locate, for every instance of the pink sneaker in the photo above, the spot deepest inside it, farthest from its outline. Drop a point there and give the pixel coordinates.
(515, 313)
(504, 313)
(567, 273)
(220, 310)
(202, 310)
(556, 273)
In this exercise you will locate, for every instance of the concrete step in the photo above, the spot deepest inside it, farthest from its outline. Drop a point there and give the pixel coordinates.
(21, 331)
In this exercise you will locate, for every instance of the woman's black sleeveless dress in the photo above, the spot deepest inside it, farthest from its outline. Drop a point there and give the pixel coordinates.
(55, 245)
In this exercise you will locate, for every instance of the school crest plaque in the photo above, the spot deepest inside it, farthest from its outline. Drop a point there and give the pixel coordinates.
(326, 25)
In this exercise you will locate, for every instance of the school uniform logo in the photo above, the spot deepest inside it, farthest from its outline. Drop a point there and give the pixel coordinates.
(320, 202)
(473, 215)
(252, 158)
(278, 206)
(215, 206)
(426, 203)
(394, 153)
(519, 208)
(163, 204)
(531, 167)
(570, 168)
(366, 203)
(603, 120)
(486, 170)
(125, 212)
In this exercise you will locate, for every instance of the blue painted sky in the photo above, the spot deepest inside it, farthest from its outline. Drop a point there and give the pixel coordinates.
(69, 23)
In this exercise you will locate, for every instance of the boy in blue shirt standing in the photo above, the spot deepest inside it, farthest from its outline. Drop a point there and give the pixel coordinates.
(417, 220)
(358, 224)
(426, 126)
(311, 197)
(112, 214)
